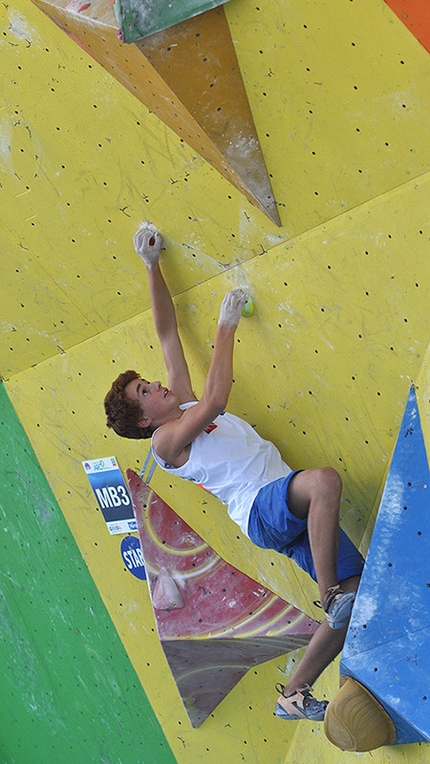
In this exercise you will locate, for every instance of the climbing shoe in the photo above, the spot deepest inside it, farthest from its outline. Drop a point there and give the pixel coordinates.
(300, 705)
(338, 606)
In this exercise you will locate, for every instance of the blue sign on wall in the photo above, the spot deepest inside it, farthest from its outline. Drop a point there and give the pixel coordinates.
(133, 558)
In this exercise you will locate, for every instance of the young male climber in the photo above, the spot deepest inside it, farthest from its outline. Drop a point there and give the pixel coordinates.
(294, 512)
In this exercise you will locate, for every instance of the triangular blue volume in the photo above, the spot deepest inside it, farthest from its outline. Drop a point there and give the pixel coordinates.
(387, 648)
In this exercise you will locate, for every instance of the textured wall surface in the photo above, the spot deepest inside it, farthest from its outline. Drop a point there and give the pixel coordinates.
(339, 95)
(69, 691)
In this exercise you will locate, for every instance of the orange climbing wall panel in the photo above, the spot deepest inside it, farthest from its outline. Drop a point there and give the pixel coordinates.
(415, 14)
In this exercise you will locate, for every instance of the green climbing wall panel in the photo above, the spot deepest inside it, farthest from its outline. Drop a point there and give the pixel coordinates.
(69, 692)
(141, 18)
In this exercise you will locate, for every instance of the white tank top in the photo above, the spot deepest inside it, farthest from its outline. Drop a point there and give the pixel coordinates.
(232, 461)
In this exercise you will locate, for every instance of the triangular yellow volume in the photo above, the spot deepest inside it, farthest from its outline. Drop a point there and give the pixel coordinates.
(189, 76)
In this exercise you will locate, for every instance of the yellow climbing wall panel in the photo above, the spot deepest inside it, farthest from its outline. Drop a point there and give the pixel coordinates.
(341, 328)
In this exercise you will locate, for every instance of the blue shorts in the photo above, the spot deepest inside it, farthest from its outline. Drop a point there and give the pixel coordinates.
(272, 526)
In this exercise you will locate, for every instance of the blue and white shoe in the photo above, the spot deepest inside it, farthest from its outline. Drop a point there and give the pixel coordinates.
(338, 607)
(300, 705)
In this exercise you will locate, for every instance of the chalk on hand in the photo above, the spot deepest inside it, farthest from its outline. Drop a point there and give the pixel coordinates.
(248, 308)
(148, 226)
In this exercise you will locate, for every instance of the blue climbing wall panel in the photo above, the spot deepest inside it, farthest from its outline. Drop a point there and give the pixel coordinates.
(388, 643)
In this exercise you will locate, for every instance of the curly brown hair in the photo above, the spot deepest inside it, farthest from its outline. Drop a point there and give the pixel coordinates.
(122, 413)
